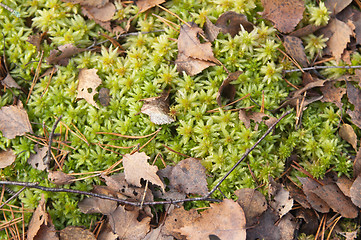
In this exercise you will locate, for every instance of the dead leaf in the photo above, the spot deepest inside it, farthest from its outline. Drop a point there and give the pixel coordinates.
(14, 121)
(266, 229)
(41, 226)
(253, 204)
(354, 97)
(106, 233)
(280, 199)
(189, 176)
(98, 205)
(62, 55)
(228, 90)
(36, 160)
(88, 82)
(357, 164)
(126, 225)
(231, 22)
(306, 30)
(36, 39)
(298, 195)
(257, 117)
(225, 220)
(288, 225)
(144, 5)
(5, 78)
(294, 47)
(332, 94)
(91, 3)
(190, 65)
(344, 184)
(350, 235)
(157, 108)
(211, 31)
(60, 178)
(310, 220)
(76, 233)
(136, 167)
(285, 14)
(347, 133)
(336, 6)
(309, 86)
(156, 234)
(355, 191)
(171, 192)
(6, 158)
(341, 34)
(103, 14)
(104, 98)
(316, 202)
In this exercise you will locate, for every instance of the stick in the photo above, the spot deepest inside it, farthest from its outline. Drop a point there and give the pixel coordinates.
(320, 67)
(47, 158)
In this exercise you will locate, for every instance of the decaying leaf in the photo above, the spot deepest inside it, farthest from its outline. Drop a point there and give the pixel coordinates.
(126, 225)
(144, 5)
(253, 204)
(332, 94)
(257, 117)
(5, 78)
(232, 22)
(88, 82)
(62, 55)
(288, 225)
(310, 220)
(76, 233)
(41, 226)
(298, 195)
(316, 202)
(60, 178)
(357, 163)
(190, 48)
(344, 184)
(341, 33)
(36, 39)
(225, 220)
(156, 234)
(171, 192)
(104, 98)
(280, 199)
(107, 233)
(355, 191)
(295, 49)
(336, 6)
(137, 167)
(6, 158)
(354, 97)
(157, 108)
(36, 160)
(347, 133)
(285, 14)
(354, 15)
(103, 14)
(189, 176)
(228, 90)
(14, 121)
(266, 229)
(98, 205)
(91, 3)
(210, 30)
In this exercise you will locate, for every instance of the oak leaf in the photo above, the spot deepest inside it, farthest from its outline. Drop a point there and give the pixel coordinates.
(7, 158)
(14, 121)
(88, 82)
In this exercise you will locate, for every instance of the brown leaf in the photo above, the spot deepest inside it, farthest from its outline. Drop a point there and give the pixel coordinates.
(285, 14)
(136, 167)
(266, 229)
(228, 90)
(298, 195)
(316, 202)
(91, 3)
(60, 178)
(41, 226)
(106, 233)
(36, 160)
(36, 39)
(210, 30)
(280, 199)
(310, 220)
(344, 184)
(253, 204)
(354, 97)
(98, 205)
(5, 78)
(231, 22)
(14, 121)
(6, 158)
(355, 191)
(103, 14)
(144, 5)
(171, 192)
(156, 234)
(332, 94)
(104, 98)
(76, 233)
(306, 30)
(126, 225)
(295, 49)
(191, 66)
(88, 82)
(62, 55)
(336, 6)
(341, 34)
(311, 85)
(357, 164)
(353, 14)
(224, 220)
(288, 225)
(157, 108)
(257, 117)
(347, 133)
(189, 176)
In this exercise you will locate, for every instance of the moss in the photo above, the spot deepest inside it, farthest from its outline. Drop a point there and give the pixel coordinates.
(144, 70)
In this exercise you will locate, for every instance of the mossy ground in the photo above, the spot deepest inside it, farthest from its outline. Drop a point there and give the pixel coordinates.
(145, 70)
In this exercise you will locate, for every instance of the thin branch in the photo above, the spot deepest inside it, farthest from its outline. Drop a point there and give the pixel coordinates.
(320, 67)
(47, 158)
(12, 197)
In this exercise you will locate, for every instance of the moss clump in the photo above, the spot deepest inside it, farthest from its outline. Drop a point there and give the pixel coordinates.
(144, 71)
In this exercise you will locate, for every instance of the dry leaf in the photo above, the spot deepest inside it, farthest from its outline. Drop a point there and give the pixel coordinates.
(5, 78)
(310, 220)
(345, 185)
(253, 204)
(36, 160)
(231, 22)
(228, 90)
(210, 30)
(106, 233)
(316, 202)
(157, 108)
(98, 205)
(41, 226)
(104, 98)
(103, 14)
(347, 133)
(357, 164)
(14, 121)
(336, 6)
(88, 82)
(144, 5)
(266, 229)
(257, 117)
(156, 234)
(225, 220)
(171, 192)
(288, 225)
(189, 176)
(332, 94)
(280, 199)
(295, 49)
(62, 55)
(354, 97)
(190, 65)
(298, 195)
(355, 191)
(285, 14)
(91, 3)
(36, 40)
(76, 233)
(126, 225)
(136, 167)
(6, 158)
(341, 34)
(60, 178)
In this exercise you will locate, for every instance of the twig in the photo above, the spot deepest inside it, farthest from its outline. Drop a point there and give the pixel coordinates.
(48, 155)
(320, 67)
(12, 197)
